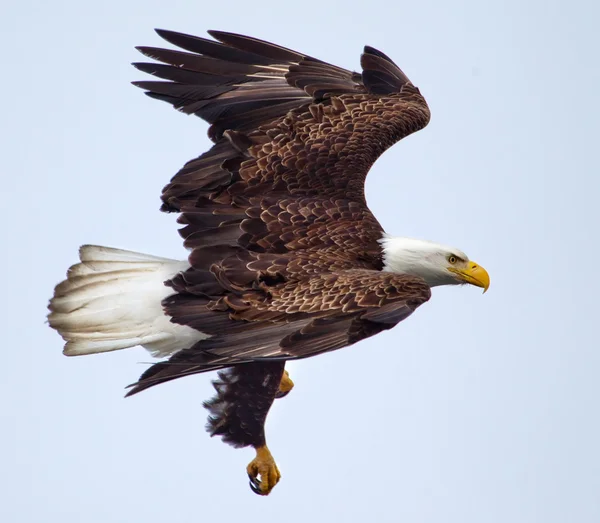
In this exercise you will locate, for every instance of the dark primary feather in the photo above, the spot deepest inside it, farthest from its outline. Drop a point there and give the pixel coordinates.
(286, 260)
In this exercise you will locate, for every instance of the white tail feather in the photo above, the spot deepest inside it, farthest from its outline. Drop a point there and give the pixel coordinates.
(113, 300)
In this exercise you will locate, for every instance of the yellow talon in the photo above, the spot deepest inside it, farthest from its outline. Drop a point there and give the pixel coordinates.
(285, 385)
(263, 465)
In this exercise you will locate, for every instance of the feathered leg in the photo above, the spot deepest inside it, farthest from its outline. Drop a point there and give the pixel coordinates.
(238, 413)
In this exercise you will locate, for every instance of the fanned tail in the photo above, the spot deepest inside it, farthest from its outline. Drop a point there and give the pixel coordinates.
(112, 300)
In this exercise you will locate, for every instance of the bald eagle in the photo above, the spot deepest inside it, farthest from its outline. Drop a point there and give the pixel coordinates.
(286, 260)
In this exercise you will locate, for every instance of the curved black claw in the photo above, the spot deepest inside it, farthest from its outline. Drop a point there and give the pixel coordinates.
(263, 465)
(255, 485)
(281, 394)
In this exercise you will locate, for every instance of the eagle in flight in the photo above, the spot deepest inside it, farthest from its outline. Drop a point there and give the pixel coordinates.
(286, 260)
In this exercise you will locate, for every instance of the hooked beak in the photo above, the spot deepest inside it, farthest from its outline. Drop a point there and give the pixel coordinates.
(473, 274)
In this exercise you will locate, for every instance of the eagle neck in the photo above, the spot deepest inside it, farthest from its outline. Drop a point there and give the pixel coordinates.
(414, 257)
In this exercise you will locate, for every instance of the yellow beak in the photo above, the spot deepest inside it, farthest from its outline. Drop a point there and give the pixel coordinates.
(473, 274)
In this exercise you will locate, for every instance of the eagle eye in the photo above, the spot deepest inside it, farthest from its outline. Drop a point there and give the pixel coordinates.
(452, 259)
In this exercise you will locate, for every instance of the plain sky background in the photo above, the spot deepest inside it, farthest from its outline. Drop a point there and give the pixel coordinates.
(478, 409)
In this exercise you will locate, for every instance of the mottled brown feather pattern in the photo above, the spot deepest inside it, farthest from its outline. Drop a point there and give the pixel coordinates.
(286, 261)
(273, 321)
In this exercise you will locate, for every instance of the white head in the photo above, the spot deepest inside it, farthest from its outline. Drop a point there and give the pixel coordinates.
(437, 264)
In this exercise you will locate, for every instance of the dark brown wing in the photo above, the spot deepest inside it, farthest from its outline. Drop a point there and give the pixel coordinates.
(295, 138)
(239, 83)
(290, 320)
(286, 257)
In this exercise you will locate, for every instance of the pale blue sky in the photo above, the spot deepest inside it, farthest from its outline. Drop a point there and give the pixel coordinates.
(477, 409)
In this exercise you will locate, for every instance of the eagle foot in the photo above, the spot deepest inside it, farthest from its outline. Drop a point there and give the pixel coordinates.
(263, 465)
(285, 385)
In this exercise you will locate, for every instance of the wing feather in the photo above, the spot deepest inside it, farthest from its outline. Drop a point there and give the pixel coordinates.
(292, 321)
(285, 258)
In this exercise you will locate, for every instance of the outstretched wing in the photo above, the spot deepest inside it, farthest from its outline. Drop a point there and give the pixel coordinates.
(294, 139)
(286, 261)
(291, 320)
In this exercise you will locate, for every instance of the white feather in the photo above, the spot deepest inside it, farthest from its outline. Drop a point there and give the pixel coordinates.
(113, 300)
